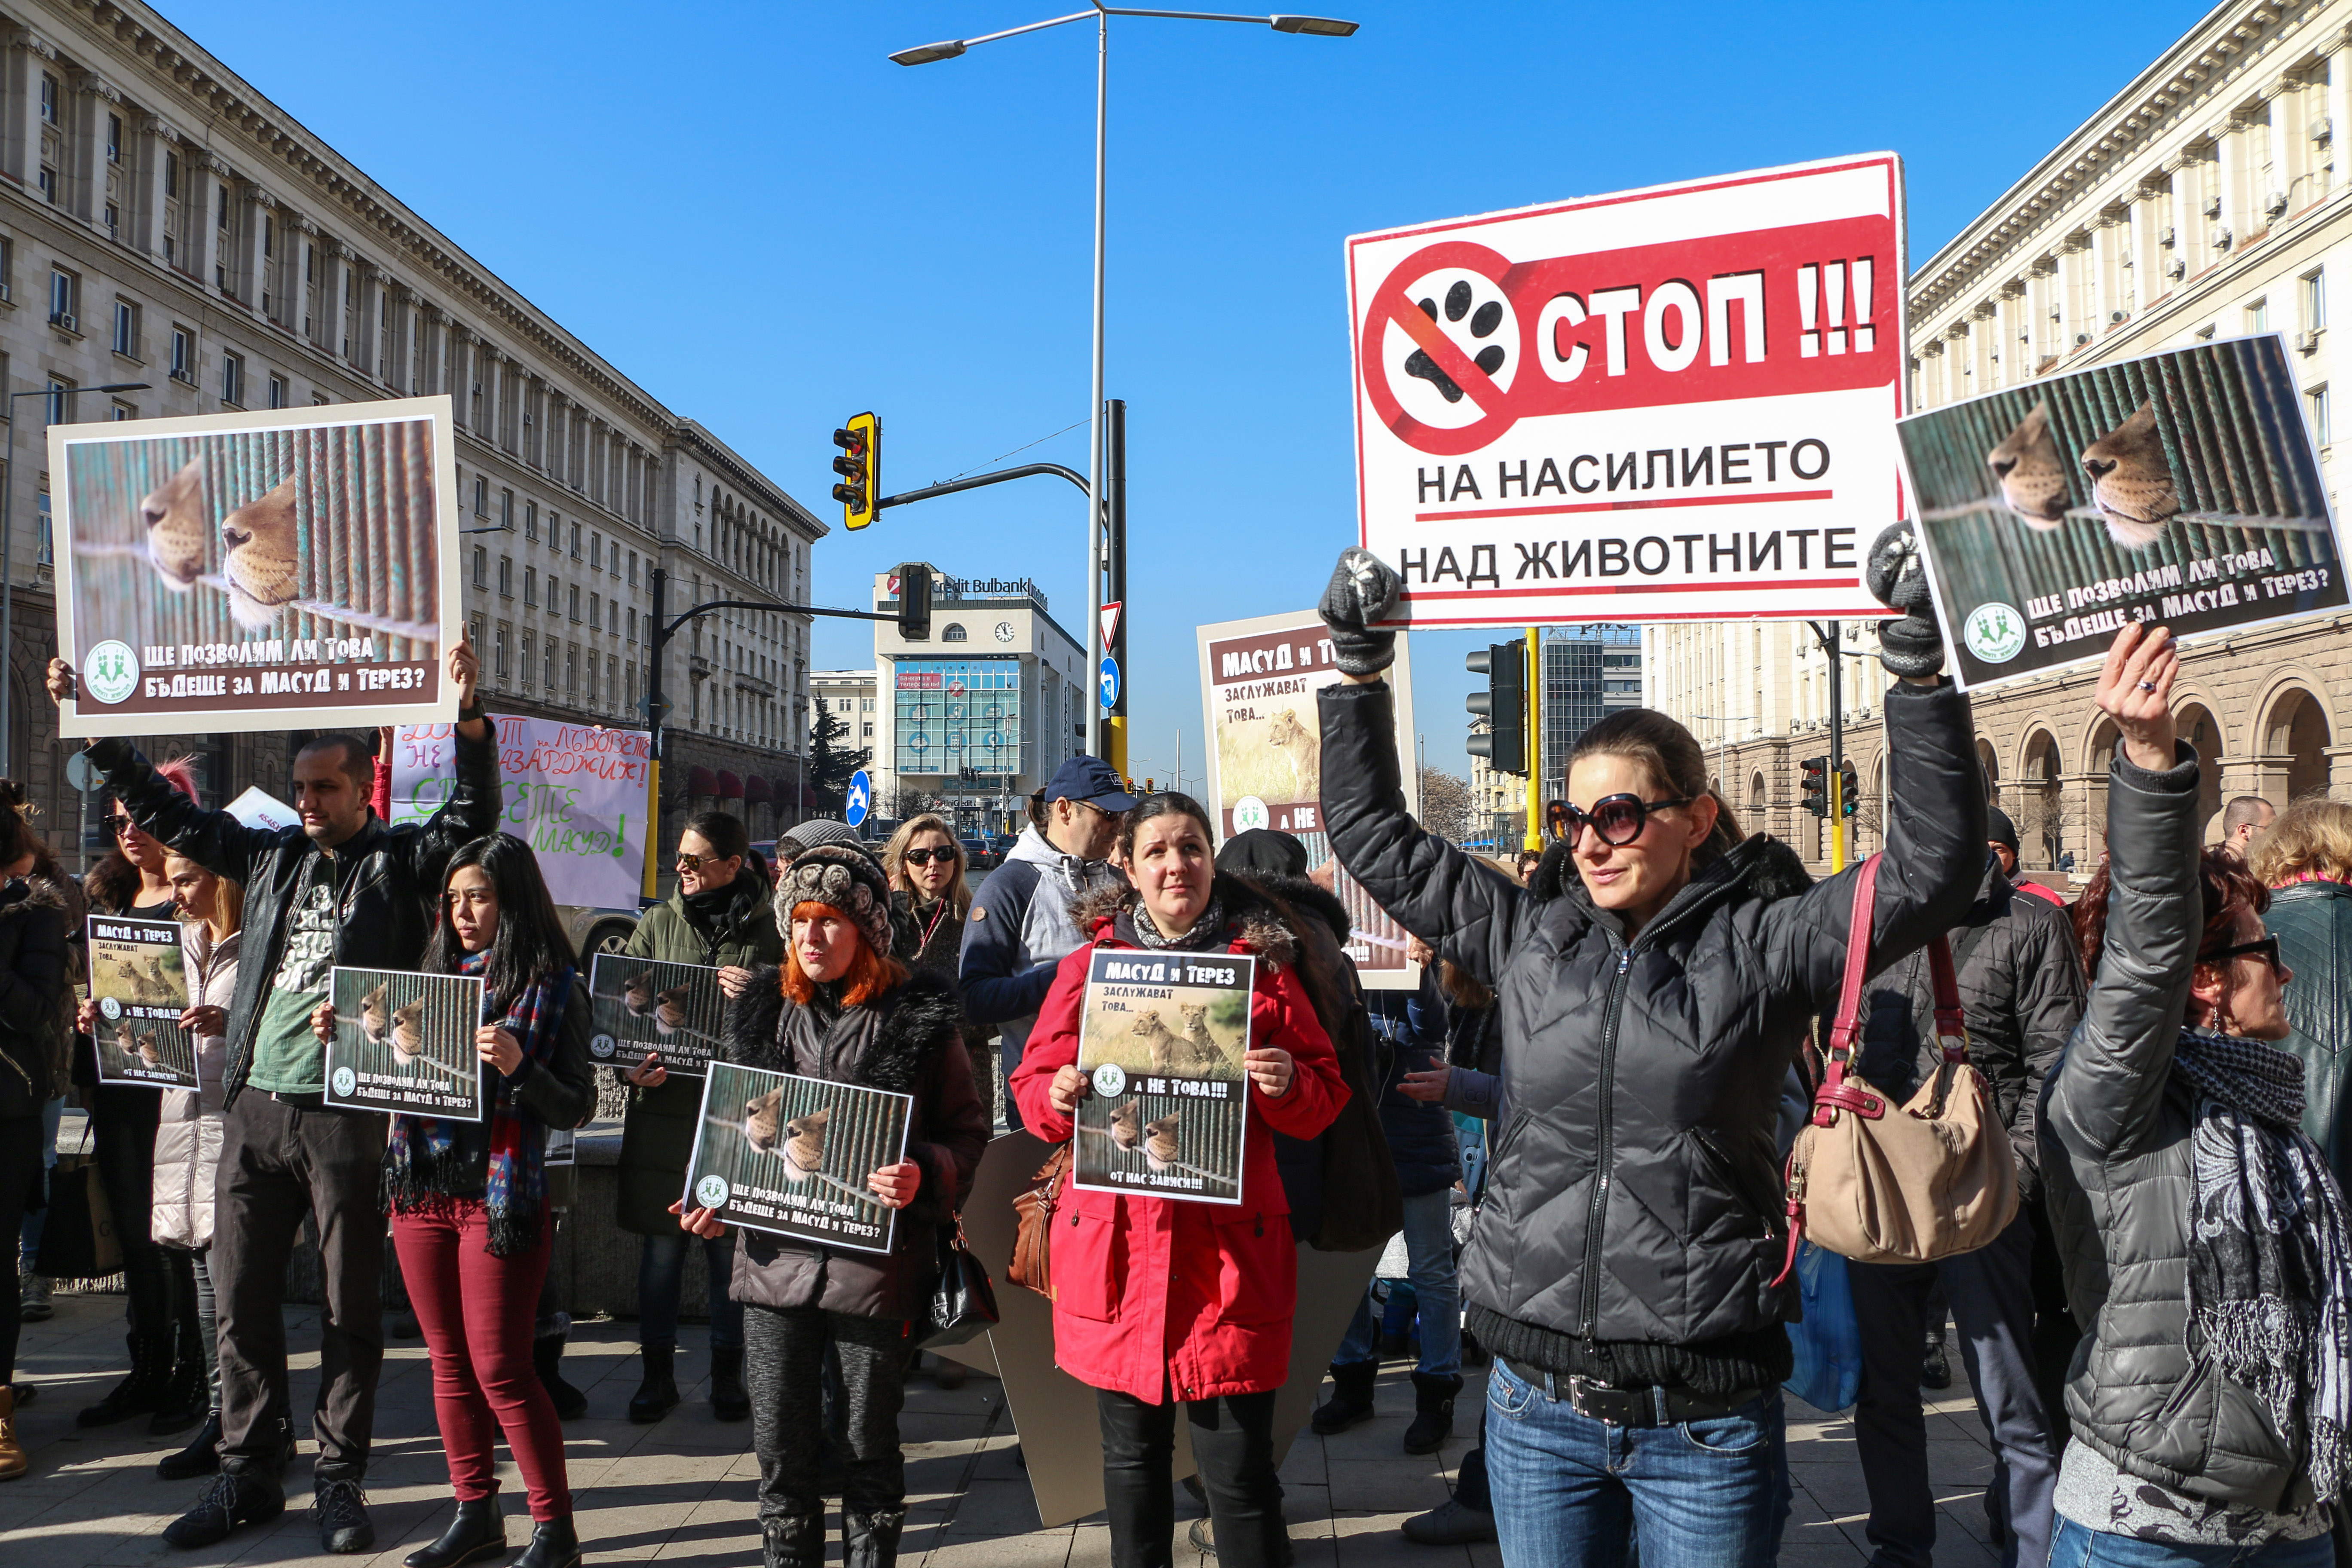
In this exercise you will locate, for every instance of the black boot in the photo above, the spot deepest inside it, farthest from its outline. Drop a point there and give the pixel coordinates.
(554, 1545)
(1351, 1397)
(547, 1355)
(230, 1504)
(656, 1396)
(794, 1540)
(187, 1396)
(727, 1400)
(200, 1457)
(1432, 1404)
(871, 1539)
(479, 1530)
(143, 1391)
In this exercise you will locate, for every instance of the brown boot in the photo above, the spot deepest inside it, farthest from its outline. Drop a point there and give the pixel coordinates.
(13, 1462)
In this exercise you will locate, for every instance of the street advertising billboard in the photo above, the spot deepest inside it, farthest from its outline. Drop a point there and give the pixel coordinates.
(575, 793)
(791, 1155)
(2183, 488)
(1160, 1040)
(1258, 681)
(1670, 404)
(247, 572)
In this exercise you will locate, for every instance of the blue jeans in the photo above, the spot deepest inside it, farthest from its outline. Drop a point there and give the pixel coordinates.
(1567, 1489)
(1429, 1251)
(661, 1277)
(2076, 1546)
(29, 1234)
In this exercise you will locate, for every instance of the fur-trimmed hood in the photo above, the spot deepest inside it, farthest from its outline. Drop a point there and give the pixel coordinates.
(1251, 917)
(912, 1024)
(36, 893)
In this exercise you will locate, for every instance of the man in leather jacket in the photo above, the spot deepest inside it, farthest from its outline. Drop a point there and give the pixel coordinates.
(342, 887)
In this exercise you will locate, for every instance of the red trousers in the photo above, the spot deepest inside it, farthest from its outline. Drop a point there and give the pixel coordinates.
(477, 1313)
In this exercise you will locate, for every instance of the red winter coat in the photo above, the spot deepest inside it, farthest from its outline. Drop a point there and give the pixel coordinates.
(1159, 1297)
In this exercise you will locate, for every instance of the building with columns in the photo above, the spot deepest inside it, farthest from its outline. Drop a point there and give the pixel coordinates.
(2211, 195)
(160, 221)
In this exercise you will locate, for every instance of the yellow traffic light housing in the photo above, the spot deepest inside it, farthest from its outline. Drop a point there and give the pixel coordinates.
(860, 467)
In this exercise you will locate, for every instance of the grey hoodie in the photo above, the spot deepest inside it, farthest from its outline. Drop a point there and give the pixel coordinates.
(1020, 928)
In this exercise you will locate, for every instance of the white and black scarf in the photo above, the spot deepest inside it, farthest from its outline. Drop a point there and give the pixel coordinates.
(2270, 1251)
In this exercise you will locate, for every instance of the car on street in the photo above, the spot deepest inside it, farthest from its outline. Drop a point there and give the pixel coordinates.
(979, 855)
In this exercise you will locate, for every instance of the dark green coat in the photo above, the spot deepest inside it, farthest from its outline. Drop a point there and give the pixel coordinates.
(658, 1134)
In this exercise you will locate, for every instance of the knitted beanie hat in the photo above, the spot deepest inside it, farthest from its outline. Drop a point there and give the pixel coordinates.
(824, 831)
(841, 877)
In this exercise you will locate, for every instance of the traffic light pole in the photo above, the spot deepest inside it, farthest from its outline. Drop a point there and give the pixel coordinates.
(660, 629)
(1114, 729)
(1535, 739)
(1831, 644)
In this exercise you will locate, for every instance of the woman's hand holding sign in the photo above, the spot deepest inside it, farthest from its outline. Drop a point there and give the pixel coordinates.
(1269, 1068)
(897, 1185)
(1068, 1088)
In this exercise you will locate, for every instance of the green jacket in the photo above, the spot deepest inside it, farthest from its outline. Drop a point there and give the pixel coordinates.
(658, 1135)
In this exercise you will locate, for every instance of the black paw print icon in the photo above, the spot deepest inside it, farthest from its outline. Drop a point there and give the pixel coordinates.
(1484, 320)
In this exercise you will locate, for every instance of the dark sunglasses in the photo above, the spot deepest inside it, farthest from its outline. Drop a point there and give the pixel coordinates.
(1618, 819)
(115, 822)
(686, 862)
(2267, 949)
(925, 857)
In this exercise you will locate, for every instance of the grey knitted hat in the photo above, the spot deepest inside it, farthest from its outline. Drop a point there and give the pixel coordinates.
(847, 879)
(824, 831)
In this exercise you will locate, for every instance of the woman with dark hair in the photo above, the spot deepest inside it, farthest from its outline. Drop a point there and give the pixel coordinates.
(167, 1381)
(1158, 1301)
(468, 1200)
(35, 986)
(1625, 1269)
(2206, 1247)
(28, 857)
(845, 1010)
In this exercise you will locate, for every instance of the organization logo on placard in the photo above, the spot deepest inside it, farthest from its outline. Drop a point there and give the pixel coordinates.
(112, 672)
(346, 1080)
(1250, 812)
(601, 1046)
(711, 1192)
(1995, 632)
(1110, 1080)
(110, 1007)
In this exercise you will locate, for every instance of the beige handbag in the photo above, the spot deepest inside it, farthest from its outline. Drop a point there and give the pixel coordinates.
(1934, 1178)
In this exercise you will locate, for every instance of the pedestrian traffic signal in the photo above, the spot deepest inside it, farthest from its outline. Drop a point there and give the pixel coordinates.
(1816, 785)
(860, 467)
(1504, 706)
(915, 601)
(1848, 790)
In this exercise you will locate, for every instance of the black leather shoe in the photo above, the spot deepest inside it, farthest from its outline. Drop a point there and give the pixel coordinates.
(186, 1398)
(479, 1530)
(230, 1504)
(141, 1393)
(728, 1402)
(656, 1396)
(794, 1540)
(554, 1545)
(871, 1539)
(1203, 1538)
(200, 1457)
(343, 1524)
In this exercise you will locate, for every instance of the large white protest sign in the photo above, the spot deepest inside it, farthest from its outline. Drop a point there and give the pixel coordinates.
(1669, 404)
(575, 793)
(286, 568)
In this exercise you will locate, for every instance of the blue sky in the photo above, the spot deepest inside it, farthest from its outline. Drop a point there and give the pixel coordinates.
(769, 226)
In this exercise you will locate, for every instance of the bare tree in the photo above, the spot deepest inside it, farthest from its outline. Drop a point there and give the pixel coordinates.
(1446, 805)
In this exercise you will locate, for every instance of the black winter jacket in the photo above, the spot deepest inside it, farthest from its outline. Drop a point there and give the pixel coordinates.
(33, 978)
(1420, 1131)
(386, 879)
(2313, 921)
(1632, 1225)
(2020, 985)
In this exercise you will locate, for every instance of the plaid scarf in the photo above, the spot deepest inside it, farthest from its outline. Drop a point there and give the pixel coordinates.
(2270, 1252)
(419, 1156)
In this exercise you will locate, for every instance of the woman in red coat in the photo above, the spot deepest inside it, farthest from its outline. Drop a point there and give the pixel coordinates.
(1161, 1301)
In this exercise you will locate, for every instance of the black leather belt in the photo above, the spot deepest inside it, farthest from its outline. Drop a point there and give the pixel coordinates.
(314, 1101)
(1651, 1406)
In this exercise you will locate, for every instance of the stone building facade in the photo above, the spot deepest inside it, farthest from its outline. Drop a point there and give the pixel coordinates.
(2211, 195)
(160, 221)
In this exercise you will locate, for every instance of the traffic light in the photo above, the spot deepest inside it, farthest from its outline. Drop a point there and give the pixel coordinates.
(915, 601)
(1848, 790)
(860, 467)
(1504, 706)
(1816, 793)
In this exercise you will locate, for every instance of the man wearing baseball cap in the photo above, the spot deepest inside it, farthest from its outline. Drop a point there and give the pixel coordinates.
(1020, 926)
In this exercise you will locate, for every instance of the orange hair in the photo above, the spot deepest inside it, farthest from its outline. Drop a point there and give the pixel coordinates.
(870, 973)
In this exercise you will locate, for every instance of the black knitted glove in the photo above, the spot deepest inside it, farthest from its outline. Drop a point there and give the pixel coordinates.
(1912, 644)
(1363, 590)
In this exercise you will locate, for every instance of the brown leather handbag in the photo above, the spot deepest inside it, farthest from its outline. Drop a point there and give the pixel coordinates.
(1032, 1265)
(1931, 1178)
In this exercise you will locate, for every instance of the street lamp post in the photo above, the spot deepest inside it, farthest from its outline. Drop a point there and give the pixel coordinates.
(1098, 551)
(8, 557)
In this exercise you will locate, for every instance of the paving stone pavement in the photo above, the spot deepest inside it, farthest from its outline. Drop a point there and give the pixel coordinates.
(681, 1491)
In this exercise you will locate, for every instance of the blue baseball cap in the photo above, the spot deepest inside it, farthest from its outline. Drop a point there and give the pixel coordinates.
(1091, 780)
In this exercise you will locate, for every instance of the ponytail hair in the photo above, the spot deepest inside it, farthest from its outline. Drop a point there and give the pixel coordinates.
(1671, 757)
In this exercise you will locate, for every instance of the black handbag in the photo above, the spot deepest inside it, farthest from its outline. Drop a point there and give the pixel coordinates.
(77, 1239)
(963, 1300)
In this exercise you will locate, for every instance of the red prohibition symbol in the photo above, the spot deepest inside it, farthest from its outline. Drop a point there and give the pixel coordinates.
(1392, 304)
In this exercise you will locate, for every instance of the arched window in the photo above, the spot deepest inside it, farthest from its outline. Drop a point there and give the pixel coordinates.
(954, 632)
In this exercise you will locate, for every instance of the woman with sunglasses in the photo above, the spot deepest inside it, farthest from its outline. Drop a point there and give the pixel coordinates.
(718, 916)
(2206, 1244)
(1622, 1267)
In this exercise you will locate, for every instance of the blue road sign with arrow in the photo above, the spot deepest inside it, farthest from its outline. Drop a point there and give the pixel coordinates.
(860, 799)
(1109, 679)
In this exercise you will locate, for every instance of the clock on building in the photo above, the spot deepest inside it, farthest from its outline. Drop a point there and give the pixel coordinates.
(1004, 631)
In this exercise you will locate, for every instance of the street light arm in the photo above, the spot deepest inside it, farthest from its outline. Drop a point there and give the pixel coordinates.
(671, 629)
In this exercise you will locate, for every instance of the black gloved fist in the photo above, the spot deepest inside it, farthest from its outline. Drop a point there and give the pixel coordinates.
(1363, 590)
(1912, 644)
